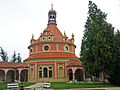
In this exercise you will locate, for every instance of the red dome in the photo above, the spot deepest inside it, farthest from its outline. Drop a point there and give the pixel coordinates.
(52, 30)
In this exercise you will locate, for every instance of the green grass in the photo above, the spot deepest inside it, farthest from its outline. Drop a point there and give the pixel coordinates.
(91, 89)
(63, 85)
(4, 85)
(27, 84)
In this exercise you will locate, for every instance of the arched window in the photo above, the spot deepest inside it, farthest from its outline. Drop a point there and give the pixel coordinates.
(31, 50)
(66, 48)
(53, 16)
(50, 16)
(40, 72)
(50, 71)
(45, 74)
(49, 38)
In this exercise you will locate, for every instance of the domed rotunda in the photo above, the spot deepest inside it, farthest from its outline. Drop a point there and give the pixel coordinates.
(52, 56)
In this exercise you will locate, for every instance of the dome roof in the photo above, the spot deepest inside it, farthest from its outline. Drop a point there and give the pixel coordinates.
(55, 31)
(52, 11)
(52, 55)
(52, 31)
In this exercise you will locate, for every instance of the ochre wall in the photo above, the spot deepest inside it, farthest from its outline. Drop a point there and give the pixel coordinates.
(56, 76)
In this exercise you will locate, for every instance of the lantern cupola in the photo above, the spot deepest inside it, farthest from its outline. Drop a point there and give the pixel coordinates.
(52, 16)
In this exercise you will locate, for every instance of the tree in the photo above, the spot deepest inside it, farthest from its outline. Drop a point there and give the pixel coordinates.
(19, 58)
(14, 58)
(97, 43)
(3, 55)
(114, 77)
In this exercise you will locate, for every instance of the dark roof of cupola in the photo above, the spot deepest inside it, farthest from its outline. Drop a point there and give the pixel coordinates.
(52, 9)
(52, 16)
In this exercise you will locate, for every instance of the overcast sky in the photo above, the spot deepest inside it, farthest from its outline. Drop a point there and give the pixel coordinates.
(19, 19)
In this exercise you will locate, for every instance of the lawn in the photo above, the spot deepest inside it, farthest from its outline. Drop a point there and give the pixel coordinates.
(4, 85)
(64, 85)
(91, 89)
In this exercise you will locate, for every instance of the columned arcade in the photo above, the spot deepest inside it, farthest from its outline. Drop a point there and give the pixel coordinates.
(13, 72)
(76, 73)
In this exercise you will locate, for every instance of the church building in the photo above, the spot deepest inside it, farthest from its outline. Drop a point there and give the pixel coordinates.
(52, 56)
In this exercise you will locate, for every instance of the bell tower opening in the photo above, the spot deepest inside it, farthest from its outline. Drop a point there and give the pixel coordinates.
(52, 16)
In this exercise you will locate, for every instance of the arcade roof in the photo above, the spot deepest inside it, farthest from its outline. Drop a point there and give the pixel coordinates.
(74, 63)
(12, 65)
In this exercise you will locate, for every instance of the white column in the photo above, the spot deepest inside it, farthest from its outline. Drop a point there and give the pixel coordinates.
(5, 77)
(19, 76)
(83, 76)
(35, 69)
(73, 76)
(65, 70)
(55, 70)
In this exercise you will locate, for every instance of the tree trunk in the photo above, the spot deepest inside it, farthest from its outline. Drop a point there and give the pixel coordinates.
(103, 77)
(93, 78)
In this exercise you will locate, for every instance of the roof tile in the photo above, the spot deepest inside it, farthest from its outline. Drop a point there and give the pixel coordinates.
(12, 65)
(52, 55)
(74, 63)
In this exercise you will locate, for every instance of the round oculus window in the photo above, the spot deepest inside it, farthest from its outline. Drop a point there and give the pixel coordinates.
(66, 48)
(46, 48)
(43, 38)
(49, 38)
